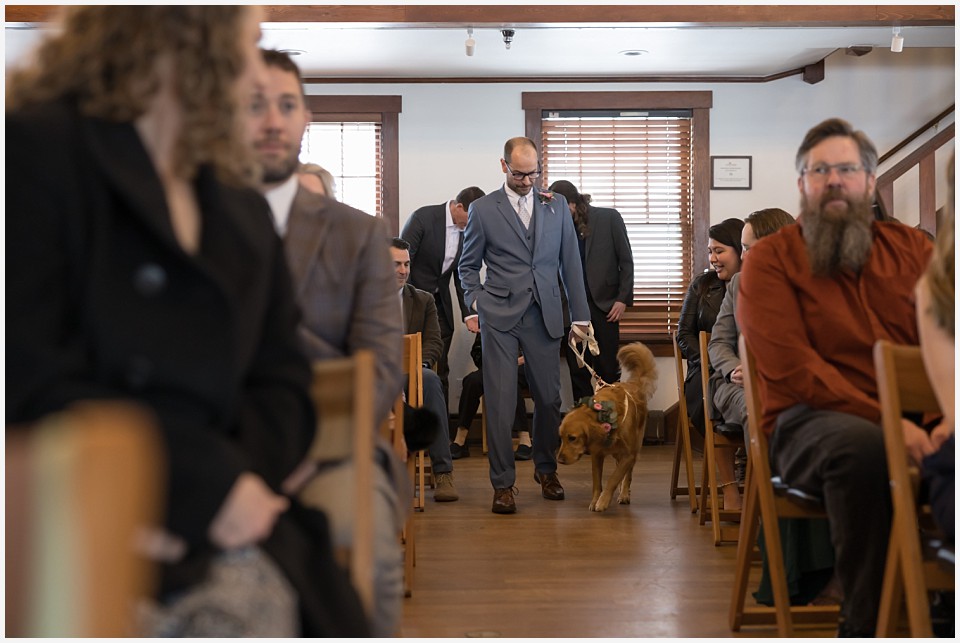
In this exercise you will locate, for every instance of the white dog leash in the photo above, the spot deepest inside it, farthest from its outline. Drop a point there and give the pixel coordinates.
(589, 342)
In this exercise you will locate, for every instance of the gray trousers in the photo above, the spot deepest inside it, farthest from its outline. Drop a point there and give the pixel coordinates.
(542, 365)
(841, 458)
(731, 402)
(434, 400)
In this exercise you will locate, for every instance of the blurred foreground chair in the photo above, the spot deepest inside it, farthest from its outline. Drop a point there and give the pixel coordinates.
(82, 485)
(684, 449)
(411, 364)
(343, 393)
(762, 503)
(726, 436)
(909, 575)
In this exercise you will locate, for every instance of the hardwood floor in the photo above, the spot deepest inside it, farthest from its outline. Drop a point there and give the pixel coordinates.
(554, 569)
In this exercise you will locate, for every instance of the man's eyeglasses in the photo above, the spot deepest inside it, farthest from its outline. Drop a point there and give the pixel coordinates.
(822, 170)
(519, 176)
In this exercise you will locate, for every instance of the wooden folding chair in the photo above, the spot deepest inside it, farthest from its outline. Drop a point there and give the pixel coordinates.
(342, 391)
(684, 449)
(81, 486)
(412, 364)
(763, 504)
(909, 575)
(712, 441)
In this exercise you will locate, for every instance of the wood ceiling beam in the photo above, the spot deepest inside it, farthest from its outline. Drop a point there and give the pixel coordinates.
(593, 15)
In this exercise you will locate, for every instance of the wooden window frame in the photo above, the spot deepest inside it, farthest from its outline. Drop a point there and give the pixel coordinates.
(699, 102)
(387, 110)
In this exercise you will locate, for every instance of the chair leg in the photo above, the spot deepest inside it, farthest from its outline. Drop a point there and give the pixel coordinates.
(891, 595)
(675, 471)
(421, 479)
(777, 572)
(684, 453)
(749, 527)
(409, 557)
(705, 488)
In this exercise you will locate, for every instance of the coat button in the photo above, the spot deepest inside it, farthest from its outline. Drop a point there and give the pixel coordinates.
(149, 279)
(139, 370)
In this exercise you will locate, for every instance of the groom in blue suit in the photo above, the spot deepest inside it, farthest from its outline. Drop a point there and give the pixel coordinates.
(525, 237)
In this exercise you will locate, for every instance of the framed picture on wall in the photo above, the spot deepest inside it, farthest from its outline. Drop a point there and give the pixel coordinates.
(731, 172)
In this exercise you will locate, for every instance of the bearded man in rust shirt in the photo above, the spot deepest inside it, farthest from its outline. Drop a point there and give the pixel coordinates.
(814, 299)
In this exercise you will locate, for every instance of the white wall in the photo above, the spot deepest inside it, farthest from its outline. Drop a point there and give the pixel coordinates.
(452, 135)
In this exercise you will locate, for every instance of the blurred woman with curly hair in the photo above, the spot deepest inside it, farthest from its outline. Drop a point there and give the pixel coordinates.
(143, 268)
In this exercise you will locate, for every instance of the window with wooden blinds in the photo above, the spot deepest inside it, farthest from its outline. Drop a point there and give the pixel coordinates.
(356, 138)
(638, 162)
(351, 151)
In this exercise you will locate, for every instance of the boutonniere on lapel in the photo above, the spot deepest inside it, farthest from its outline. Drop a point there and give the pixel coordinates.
(546, 198)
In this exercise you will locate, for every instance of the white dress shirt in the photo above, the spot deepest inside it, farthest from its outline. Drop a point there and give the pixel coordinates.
(280, 199)
(452, 240)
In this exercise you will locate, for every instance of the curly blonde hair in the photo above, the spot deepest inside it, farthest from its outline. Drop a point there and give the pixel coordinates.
(940, 275)
(105, 58)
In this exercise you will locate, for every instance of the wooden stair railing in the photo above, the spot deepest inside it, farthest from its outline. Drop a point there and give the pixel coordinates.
(924, 157)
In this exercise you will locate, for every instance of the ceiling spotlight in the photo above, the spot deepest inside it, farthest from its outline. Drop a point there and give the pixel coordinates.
(896, 45)
(293, 52)
(470, 43)
(507, 37)
(633, 52)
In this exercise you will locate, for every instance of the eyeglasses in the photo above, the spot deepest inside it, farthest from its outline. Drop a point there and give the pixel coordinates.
(519, 176)
(821, 171)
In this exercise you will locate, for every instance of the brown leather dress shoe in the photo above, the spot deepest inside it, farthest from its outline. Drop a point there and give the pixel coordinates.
(503, 502)
(550, 485)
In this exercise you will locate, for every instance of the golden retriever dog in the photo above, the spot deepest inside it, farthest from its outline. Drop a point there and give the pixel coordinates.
(612, 422)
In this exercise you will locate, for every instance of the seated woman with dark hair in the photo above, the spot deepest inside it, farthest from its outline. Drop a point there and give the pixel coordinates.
(700, 309)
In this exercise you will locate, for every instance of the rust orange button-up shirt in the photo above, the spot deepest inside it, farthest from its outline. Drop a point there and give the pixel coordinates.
(812, 337)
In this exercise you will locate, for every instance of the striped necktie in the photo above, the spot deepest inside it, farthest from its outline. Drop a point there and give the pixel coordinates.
(523, 212)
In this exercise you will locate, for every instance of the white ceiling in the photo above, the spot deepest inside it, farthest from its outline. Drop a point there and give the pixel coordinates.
(332, 50)
(396, 51)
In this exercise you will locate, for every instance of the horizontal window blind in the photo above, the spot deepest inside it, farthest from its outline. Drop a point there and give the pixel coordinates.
(351, 150)
(641, 164)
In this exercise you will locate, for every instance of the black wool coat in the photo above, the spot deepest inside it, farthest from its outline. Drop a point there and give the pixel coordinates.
(102, 302)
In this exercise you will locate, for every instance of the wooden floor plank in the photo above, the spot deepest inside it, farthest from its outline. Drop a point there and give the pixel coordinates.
(554, 569)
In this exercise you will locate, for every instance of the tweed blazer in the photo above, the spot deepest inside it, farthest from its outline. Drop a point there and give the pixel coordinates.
(340, 261)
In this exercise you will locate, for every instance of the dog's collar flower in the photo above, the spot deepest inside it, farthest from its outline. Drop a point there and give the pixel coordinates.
(545, 197)
(606, 415)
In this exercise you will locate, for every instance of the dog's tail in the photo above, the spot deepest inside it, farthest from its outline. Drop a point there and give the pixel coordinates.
(638, 366)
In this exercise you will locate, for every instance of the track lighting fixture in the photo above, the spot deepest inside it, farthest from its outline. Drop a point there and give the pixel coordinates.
(507, 37)
(470, 44)
(896, 45)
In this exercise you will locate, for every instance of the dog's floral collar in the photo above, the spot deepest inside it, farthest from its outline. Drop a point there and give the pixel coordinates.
(606, 415)
(545, 197)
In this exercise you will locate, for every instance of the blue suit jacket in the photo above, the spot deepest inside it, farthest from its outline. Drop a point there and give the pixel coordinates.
(521, 265)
